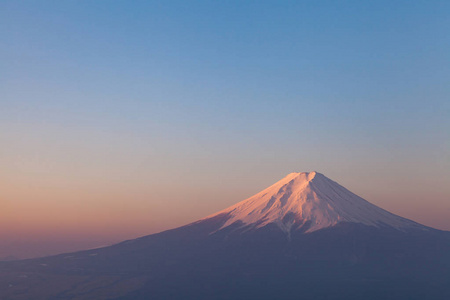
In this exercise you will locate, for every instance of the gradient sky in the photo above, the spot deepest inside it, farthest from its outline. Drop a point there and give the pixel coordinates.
(120, 119)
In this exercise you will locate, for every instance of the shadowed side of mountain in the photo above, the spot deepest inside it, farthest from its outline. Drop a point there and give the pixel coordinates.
(189, 261)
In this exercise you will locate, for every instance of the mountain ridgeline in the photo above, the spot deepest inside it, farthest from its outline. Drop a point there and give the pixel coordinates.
(304, 237)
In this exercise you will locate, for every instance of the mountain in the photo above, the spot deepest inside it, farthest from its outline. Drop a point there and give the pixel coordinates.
(309, 202)
(305, 237)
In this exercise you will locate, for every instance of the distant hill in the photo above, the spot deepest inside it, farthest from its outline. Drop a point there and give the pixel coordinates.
(8, 258)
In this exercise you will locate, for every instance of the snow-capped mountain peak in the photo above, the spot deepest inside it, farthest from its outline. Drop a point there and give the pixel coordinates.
(311, 201)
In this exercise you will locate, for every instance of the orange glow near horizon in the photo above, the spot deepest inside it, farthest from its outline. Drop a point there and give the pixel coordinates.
(41, 220)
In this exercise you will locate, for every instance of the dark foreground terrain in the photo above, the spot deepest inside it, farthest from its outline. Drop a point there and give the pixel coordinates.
(347, 261)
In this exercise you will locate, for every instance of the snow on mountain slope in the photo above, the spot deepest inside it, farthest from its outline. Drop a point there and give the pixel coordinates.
(309, 199)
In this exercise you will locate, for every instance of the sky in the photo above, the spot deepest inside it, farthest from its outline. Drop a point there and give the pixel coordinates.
(120, 119)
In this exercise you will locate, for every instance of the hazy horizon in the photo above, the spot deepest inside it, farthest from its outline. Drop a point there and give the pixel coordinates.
(32, 242)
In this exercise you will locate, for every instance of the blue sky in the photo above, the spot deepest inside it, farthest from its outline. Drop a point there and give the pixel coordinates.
(225, 98)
